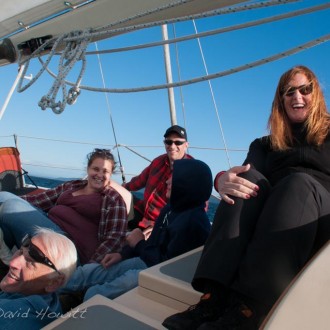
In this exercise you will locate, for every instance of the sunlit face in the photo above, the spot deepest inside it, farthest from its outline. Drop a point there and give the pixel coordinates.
(25, 275)
(173, 151)
(297, 105)
(169, 187)
(99, 174)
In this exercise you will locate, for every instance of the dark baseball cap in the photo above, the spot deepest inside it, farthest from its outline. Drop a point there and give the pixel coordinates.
(178, 130)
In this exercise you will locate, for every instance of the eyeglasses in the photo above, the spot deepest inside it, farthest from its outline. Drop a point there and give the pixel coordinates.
(102, 151)
(35, 253)
(176, 142)
(303, 90)
(106, 153)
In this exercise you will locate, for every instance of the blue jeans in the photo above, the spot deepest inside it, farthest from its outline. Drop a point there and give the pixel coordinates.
(18, 218)
(109, 282)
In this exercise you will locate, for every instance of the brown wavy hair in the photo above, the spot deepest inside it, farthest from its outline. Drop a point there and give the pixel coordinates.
(317, 122)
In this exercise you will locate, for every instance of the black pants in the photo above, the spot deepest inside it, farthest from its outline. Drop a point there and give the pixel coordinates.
(257, 246)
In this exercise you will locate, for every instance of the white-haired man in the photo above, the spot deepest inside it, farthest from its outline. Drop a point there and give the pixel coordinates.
(43, 264)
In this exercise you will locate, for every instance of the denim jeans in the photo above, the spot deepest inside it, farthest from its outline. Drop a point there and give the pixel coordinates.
(18, 218)
(109, 282)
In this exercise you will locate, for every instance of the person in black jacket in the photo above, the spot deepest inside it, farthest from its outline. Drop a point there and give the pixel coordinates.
(274, 214)
(182, 225)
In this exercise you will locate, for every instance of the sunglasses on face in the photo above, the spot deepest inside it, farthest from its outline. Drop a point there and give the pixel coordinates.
(303, 90)
(176, 142)
(35, 253)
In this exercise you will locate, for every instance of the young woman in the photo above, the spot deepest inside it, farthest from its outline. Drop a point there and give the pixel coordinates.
(274, 214)
(90, 211)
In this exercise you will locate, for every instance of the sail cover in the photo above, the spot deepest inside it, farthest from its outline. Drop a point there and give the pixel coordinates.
(24, 20)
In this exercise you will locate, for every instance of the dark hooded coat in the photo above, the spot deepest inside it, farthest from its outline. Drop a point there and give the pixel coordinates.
(182, 224)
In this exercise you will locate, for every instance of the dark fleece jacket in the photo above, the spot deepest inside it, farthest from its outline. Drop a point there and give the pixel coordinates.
(182, 224)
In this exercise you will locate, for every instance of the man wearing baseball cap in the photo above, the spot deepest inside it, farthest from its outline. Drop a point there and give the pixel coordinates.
(153, 178)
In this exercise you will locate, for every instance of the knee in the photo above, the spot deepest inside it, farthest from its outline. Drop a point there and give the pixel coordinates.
(12, 206)
(5, 195)
(299, 181)
(92, 291)
(10, 212)
(252, 175)
(258, 178)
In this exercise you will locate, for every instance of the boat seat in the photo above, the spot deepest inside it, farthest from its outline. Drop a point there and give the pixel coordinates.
(12, 173)
(305, 304)
(165, 289)
(127, 196)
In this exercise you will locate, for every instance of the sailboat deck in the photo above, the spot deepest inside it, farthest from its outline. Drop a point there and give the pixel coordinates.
(163, 290)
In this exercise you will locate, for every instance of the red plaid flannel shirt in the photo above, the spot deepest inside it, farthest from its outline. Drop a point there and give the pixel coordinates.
(113, 222)
(153, 178)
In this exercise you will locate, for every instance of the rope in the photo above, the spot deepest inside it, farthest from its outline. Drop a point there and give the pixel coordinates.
(72, 53)
(247, 66)
(77, 42)
(204, 34)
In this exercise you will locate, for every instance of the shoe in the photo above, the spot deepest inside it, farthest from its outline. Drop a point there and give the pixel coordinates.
(239, 316)
(71, 300)
(207, 309)
(3, 270)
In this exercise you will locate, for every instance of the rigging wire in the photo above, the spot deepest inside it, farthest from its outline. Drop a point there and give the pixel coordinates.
(213, 98)
(113, 146)
(81, 169)
(111, 118)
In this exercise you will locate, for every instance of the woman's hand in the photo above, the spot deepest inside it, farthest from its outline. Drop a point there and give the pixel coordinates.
(134, 237)
(230, 184)
(111, 259)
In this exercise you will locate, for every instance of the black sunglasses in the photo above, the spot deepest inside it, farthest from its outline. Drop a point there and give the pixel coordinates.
(35, 253)
(102, 151)
(303, 90)
(176, 142)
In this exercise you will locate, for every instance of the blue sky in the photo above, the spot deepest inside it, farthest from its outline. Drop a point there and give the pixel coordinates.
(243, 99)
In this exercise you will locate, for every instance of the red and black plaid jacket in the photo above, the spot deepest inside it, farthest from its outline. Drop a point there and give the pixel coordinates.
(153, 178)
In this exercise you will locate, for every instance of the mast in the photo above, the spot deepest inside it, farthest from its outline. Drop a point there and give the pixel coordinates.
(169, 79)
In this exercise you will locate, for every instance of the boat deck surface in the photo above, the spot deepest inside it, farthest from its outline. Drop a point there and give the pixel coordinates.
(165, 289)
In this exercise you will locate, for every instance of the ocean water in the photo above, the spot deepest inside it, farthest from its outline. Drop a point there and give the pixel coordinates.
(51, 183)
(43, 182)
